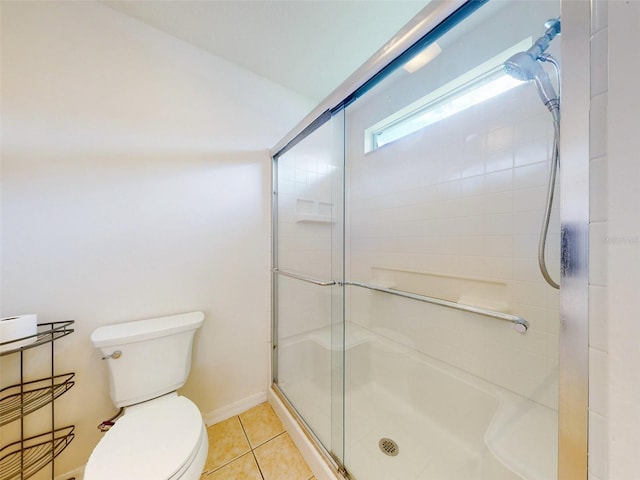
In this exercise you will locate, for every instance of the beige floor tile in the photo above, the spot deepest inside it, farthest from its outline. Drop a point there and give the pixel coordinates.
(243, 468)
(226, 442)
(279, 459)
(261, 424)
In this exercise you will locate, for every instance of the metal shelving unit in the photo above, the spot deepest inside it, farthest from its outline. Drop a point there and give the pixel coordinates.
(24, 458)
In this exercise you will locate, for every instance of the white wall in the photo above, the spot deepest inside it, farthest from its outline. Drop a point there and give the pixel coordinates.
(621, 248)
(135, 183)
(614, 263)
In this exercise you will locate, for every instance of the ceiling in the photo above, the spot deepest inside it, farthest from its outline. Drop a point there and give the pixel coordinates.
(308, 46)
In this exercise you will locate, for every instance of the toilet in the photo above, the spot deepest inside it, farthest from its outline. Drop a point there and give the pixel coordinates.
(161, 435)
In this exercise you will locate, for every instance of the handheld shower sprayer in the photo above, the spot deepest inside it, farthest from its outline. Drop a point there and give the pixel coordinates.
(527, 66)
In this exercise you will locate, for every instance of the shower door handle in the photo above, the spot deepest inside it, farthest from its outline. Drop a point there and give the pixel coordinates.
(304, 278)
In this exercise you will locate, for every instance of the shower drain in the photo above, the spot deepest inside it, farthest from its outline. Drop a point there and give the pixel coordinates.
(388, 447)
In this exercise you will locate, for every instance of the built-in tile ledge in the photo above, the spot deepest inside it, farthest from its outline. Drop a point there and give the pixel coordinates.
(478, 292)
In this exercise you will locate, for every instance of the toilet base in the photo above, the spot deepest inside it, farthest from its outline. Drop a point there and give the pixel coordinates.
(195, 468)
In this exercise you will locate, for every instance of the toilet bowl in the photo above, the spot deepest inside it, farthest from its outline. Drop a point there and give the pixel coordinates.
(161, 435)
(162, 439)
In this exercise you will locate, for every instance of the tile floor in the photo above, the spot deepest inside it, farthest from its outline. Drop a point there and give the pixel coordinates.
(253, 446)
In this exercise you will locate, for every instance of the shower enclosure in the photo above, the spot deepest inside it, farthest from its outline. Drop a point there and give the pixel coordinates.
(414, 334)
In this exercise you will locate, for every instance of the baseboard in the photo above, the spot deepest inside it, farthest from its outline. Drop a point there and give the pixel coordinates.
(314, 459)
(228, 411)
(77, 474)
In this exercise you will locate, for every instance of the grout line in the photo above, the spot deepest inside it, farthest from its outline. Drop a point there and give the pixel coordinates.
(267, 441)
(208, 472)
(251, 449)
(255, 459)
(257, 464)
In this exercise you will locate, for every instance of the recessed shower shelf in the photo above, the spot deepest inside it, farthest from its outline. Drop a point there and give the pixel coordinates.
(311, 218)
(21, 399)
(23, 459)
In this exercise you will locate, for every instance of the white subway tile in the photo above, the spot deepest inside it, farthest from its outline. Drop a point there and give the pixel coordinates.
(525, 245)
(528, 293)
(598, 325)
(553, 297)
(535, 128)
(529, 153)
(598, 381)
(472, 266)
(469, 245)
(553, 395)
(472, 186)
(500, 140)
(598, 445)
(473, 164)
(497, 161)
(495, 203)
(527, 223)
(472, 226)
(598, 126)
(597, 254)
(453, 190)
(598, 205)
(498, 224)
(526, 270)
(553, 350)
(599, 62)
(498, 267)
(530, 175)
(528, 199)
(498, 181)
(498, 246)
(599, 15)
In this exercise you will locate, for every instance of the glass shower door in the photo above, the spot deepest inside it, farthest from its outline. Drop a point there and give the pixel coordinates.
(451, 344)
(308, 273)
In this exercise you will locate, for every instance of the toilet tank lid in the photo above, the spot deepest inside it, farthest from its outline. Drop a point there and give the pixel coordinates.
(138, 330)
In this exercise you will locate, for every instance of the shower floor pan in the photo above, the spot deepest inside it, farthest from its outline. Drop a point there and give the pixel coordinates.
(446, 423)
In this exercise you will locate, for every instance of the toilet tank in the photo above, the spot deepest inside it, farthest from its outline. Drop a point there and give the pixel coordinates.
(154, 358)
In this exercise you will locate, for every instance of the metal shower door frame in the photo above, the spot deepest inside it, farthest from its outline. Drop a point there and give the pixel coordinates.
(438, 16)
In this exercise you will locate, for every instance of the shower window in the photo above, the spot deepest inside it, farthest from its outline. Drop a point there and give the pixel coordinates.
(481, 83)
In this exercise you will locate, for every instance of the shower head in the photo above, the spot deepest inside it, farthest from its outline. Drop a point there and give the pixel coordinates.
(522, 66)
(526, 66)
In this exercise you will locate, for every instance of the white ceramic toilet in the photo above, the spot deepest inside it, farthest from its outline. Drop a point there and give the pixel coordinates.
(161, 435)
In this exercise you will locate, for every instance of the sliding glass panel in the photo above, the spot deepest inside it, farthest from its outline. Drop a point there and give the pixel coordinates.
(309, 271)
(448, 160)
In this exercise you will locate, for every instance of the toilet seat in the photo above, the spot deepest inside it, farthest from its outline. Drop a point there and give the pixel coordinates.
(155, 440)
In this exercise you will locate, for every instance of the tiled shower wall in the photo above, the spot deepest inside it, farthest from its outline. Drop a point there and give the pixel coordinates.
(305, 221)
(462, 200)
(598, 216)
